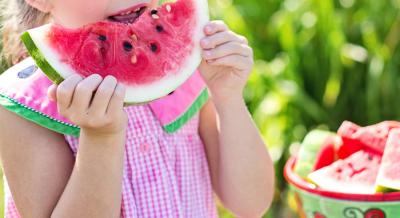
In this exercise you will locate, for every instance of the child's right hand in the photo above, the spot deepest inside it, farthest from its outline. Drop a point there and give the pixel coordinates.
(94, 104)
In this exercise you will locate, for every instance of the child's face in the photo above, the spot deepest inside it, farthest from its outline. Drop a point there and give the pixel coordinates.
(75, 13)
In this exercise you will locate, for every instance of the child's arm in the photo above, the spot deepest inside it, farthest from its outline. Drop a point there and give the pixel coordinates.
(37, 163)
(241, 168)
(95, 186)
(43, 178)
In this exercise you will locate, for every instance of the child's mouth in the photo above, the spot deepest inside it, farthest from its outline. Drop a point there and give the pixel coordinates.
(129, 15)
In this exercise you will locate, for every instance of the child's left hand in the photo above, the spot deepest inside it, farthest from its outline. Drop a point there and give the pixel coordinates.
(227, 61)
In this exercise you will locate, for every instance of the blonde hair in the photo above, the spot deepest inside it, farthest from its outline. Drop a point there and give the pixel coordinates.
(17, 17)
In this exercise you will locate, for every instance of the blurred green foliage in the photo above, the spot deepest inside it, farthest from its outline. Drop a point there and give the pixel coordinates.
(318, 62)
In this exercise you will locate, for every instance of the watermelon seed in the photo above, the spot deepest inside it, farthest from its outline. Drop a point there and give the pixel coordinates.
(168, 8)
(134, 37)
(154, 11)
(134, 59)
(102, 38)
(128, 46)
(153, 47)
(159, 28)
(155, 16)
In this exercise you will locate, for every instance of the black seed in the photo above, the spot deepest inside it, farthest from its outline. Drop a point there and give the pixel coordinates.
(154, 11)
(128, 46)
(153, 47)
(159, 28)
(171, 93)
(102, 38)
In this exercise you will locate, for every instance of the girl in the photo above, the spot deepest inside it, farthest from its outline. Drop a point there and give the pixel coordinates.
(123, 162)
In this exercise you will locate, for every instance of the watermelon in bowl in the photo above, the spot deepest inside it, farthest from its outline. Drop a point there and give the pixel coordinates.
(351, 187)
(312, 201)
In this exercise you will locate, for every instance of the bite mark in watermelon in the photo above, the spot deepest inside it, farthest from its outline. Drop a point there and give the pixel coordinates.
(355, 174)
(151, 56)
(389, 171)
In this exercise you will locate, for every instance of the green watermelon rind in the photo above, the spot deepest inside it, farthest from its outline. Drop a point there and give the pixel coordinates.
(386, 185)
(37, 55)
(37, 117)
(309, 150)
(383, 189)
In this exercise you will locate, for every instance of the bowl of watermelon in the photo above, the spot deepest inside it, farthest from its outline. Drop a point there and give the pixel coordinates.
(353, 173)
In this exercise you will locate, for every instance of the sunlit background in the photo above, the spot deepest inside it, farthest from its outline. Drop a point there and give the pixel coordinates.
(318, 62)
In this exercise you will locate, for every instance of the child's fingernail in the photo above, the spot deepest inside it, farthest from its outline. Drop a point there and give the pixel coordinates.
(111, 77)
(99, 77)
(120, 88)
(208, 29)
(96, 76)
(205, 41)
(77, 76)
(207, 53)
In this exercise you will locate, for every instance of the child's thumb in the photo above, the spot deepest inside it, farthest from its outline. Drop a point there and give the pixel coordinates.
(52, 92)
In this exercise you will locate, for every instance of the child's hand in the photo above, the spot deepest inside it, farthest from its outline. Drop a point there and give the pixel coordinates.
(227, 61)
(94, 104)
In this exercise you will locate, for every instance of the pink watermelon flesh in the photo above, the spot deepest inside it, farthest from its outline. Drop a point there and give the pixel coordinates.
(155, 46)
(137, 53)
(327, 153)
(355, 174)
(349, 145)
(372, 138)
(389, 171)
(384, 128)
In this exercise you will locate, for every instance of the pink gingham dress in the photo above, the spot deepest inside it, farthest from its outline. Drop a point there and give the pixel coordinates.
(165, 174)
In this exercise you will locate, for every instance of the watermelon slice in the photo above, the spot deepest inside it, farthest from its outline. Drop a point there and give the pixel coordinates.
(389, 171)
(383, 128)
(372, 138)
(152, 51)
(349, 145)
(355, 174)
(316, 151)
